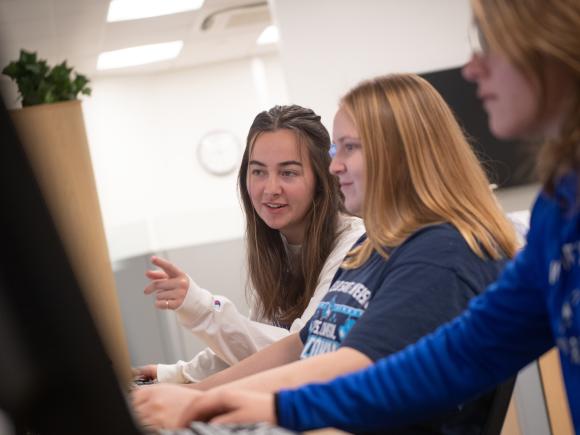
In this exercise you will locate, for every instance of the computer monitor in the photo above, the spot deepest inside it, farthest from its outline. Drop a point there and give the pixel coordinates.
(55, 377)
(507, 163)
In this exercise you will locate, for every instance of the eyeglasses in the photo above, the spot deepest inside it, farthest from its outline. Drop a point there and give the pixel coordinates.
(477, 40)
(332, 150)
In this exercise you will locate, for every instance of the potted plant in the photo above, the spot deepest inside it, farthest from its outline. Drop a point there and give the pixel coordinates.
(40, 84)
(52, 131)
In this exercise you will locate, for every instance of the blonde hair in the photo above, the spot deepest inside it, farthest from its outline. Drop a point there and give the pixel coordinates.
(420, 170)
(528, 33)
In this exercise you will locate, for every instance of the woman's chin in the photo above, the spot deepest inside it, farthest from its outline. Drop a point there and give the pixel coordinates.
(353, 207)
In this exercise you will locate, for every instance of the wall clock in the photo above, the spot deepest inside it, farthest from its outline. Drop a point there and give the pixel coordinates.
(219, 152)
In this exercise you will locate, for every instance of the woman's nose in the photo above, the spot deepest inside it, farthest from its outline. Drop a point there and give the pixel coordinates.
(473, 69)
(336, 166)
(273, 186)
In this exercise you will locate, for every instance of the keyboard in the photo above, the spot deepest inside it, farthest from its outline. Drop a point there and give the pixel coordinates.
(198, 428)
(136, 383)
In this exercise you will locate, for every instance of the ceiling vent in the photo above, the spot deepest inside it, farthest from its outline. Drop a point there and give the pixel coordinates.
(255, 17)
(237, 17)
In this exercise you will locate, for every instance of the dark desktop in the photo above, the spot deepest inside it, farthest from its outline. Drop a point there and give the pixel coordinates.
(55, 376)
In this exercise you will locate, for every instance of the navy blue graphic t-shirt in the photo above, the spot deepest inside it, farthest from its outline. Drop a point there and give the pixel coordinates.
(384, 305)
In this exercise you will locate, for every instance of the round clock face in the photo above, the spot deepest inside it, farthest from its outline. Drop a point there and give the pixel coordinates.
(219, 152)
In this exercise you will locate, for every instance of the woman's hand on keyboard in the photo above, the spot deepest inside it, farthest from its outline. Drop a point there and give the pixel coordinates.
(146, 373)
(169, 282)
(164, 405)
(226, 406)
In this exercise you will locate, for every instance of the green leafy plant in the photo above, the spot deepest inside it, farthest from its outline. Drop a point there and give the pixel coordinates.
(38, 83)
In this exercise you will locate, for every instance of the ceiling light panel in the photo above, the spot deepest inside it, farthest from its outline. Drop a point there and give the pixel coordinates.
(140, 55)
(123, 10)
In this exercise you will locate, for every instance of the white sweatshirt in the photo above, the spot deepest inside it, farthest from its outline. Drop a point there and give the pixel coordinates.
(231, 336)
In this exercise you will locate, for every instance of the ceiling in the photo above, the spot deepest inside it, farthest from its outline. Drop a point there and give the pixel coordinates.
(76, 30)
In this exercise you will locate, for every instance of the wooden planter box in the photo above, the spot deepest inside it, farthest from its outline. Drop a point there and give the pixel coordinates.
(55, 141)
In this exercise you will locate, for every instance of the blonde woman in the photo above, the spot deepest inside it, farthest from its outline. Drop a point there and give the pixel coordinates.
(526, 64)
(296, 237)
(432, 244)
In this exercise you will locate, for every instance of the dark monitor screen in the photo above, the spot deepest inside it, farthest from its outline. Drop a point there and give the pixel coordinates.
(55, 377)
(507, 163)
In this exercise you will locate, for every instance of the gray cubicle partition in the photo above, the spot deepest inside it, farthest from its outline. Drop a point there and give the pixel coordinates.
(154, 335)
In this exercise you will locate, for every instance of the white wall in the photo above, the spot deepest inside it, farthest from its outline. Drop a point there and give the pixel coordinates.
(327, 46)
(143, 132)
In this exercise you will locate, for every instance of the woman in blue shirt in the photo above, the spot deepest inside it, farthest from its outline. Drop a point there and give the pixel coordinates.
(526, 64)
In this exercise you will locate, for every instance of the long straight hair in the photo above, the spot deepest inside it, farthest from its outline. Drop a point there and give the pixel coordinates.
(528, 33)
(283, 290)
(420, 170)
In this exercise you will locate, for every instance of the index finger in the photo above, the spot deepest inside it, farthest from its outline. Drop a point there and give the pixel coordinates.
(171, 270)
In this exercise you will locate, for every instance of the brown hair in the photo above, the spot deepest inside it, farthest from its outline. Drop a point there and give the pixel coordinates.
(420, 170)
(528, 33)
(283, 290)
